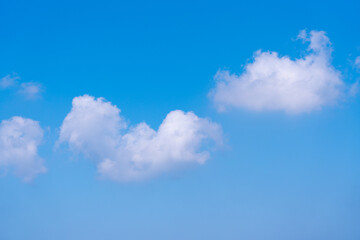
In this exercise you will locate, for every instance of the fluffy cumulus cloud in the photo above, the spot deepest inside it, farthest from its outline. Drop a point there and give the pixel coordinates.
(19, 141)
(95, 128)
(278, 83)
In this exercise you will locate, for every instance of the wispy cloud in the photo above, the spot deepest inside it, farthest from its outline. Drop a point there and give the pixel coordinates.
(357, 62)
(9, 80)
(95, 128)
(274, 83)
(30, 90)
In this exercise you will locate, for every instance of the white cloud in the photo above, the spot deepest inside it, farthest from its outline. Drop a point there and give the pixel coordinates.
(95, 128)
(275, 83)
(8, 81)
(30, 90)
(19, 141)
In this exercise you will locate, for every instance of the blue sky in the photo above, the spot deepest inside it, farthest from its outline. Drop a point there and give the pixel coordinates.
(278, 159)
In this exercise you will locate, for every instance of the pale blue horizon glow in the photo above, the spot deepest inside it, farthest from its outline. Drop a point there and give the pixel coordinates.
(280, 169)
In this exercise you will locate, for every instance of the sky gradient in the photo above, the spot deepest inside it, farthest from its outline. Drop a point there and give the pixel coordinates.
(149, 120)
